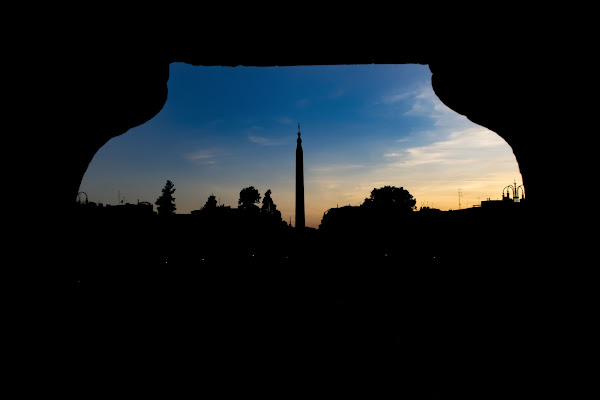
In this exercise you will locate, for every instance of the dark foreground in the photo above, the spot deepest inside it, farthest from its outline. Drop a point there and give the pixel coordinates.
(442, 313)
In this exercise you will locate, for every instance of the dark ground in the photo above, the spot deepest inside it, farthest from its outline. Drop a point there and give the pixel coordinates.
(436, 309)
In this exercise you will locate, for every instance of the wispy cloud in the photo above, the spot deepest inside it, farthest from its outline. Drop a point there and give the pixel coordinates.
(421, 101)
(399, 96)
(453, 139)
(201, 157)
(257, 134)
(264, 141)
(285, 120)
(447, 153)
(341, 168)
(425, 103)
(475, 159)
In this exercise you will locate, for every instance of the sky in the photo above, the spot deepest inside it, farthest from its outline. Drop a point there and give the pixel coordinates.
(363, 127)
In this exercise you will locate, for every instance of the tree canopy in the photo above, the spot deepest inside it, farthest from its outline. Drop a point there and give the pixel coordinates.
(211, 203)
(248, 197)
(166, 202)
(391, 198)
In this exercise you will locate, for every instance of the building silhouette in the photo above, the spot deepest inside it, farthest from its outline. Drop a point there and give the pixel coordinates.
(510, 198)
(90, 208)
(300, 223)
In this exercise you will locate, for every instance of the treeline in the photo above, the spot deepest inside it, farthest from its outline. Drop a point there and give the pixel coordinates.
(247, 206)
(381, 212)
(124, 239)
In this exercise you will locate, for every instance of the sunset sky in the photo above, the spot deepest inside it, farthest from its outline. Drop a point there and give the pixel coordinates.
(363, 126)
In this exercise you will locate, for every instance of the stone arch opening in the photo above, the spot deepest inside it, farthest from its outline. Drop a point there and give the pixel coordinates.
(132, 93)
(340, 201)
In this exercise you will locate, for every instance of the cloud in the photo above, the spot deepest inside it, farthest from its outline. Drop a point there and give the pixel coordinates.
(444, 151)
(422, 102)
(256, 135)
(425, 103)
(451, 140)
(201, 157)
(264, 141)
(450, 152)
(396, 97)
(259, 140)
(285, 120)
(336, 169)
(463, 147)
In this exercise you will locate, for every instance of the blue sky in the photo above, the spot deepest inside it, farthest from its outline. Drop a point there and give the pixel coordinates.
(363, 126)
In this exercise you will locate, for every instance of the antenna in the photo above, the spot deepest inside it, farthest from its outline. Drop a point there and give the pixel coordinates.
(459, 196)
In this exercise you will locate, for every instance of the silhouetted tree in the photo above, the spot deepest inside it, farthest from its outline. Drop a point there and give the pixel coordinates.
(166, 202)
(391, 198)
(211, 203)
(248, 197)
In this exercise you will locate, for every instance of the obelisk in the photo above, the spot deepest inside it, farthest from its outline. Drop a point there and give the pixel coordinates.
(299, 184)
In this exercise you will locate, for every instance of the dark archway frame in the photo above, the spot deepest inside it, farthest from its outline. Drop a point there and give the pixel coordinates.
(90, 88)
